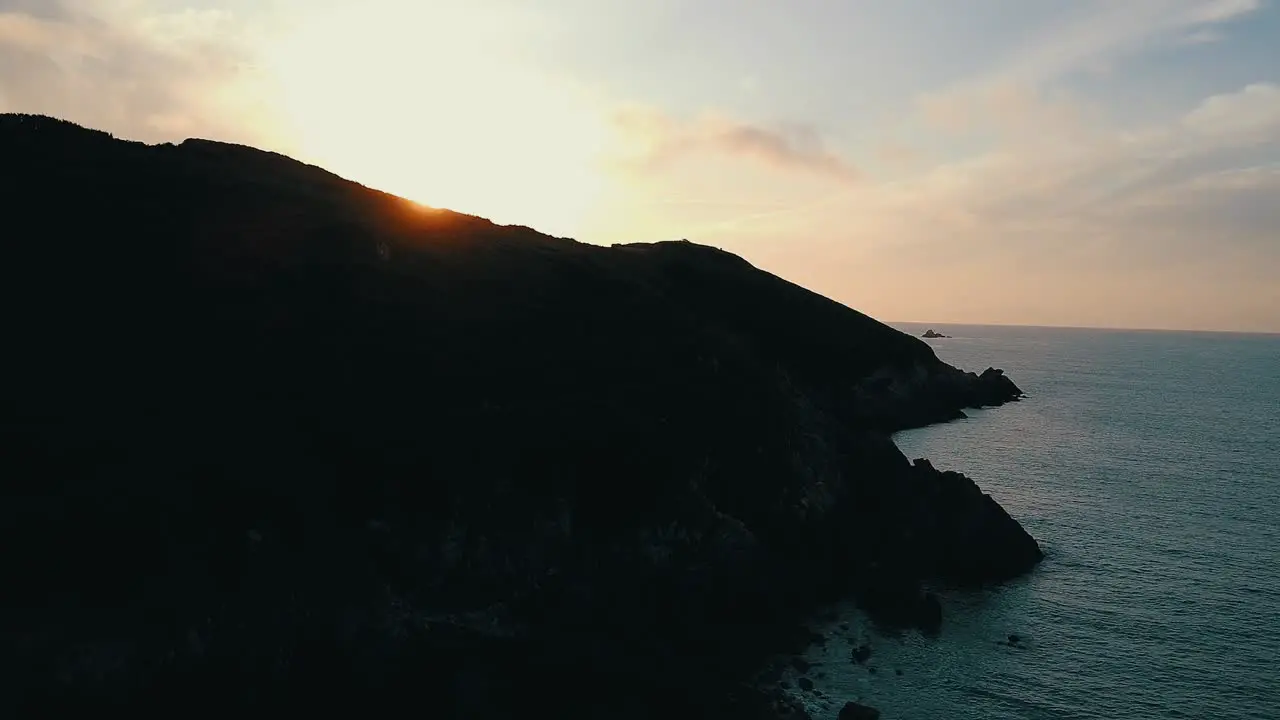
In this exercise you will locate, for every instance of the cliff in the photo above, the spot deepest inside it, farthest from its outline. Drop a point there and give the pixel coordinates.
(274, 437)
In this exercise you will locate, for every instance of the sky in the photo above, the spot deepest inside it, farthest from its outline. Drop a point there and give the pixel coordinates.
(1104, 163)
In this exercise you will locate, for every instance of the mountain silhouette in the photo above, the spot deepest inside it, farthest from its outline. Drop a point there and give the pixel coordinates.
(273, 438)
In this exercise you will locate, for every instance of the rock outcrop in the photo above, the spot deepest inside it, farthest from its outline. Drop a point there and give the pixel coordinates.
(858, 711)
(932, 334)
(276, 439)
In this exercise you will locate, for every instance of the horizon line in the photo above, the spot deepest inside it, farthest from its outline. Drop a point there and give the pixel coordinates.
(1085, 327)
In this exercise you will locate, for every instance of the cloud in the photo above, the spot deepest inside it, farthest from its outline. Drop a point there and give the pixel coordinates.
(1166, 224)
(42, 9)
(1218, 11)
(1007, 107)
(656, 141)
(1247, 117)
(130, 68)
(1056, 170)
(1206, 36)
(1103, 173)
(1262, 178)
(1023, 94)
(1101, 32)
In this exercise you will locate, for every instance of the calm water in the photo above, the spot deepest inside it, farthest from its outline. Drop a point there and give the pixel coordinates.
(1148, 466)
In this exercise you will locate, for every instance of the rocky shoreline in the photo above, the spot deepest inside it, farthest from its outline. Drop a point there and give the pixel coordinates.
(286, 442)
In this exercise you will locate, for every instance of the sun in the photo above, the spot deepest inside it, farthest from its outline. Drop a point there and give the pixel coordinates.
(417, 102)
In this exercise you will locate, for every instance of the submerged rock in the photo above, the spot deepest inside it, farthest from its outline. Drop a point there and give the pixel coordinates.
(862, 654)
(858, 711)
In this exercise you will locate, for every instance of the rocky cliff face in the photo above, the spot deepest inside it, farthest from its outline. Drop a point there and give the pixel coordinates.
(278, 438)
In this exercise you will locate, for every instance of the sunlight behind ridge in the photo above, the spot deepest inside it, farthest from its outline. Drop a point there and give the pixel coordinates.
(429, 107)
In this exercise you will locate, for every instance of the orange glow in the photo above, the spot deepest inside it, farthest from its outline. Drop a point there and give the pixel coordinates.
(438, 116)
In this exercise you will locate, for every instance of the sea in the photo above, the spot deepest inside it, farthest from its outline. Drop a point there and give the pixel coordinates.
(1147, 464)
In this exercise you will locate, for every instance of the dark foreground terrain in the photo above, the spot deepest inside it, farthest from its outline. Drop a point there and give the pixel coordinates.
(271, 437)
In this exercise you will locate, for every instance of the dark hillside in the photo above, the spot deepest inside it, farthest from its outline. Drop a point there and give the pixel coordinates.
(272, 436)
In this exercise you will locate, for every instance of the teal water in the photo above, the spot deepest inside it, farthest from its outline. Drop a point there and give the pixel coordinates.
(1147, 464)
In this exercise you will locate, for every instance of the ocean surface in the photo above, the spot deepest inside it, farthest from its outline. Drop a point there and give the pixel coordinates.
(1147, 464)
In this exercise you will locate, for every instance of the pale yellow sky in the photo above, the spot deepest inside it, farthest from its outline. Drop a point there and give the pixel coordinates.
(1065, 164)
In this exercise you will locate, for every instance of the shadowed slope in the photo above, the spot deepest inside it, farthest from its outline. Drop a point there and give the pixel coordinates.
(272, 435)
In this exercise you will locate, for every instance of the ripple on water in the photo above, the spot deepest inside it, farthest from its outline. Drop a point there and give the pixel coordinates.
(1147, 466)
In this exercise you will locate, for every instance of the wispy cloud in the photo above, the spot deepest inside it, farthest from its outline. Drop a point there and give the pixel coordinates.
(1204, 37)
(43, 9)
(1101, 175)
(1152, 219)
(1249, 116)
(1007, 107)
(1218, 11)
(657, 141)
(1101, 32)
(129, 68)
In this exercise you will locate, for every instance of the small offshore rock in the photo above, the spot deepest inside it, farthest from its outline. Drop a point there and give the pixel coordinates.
(805, 683)
(862, 654)
(858, 711)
